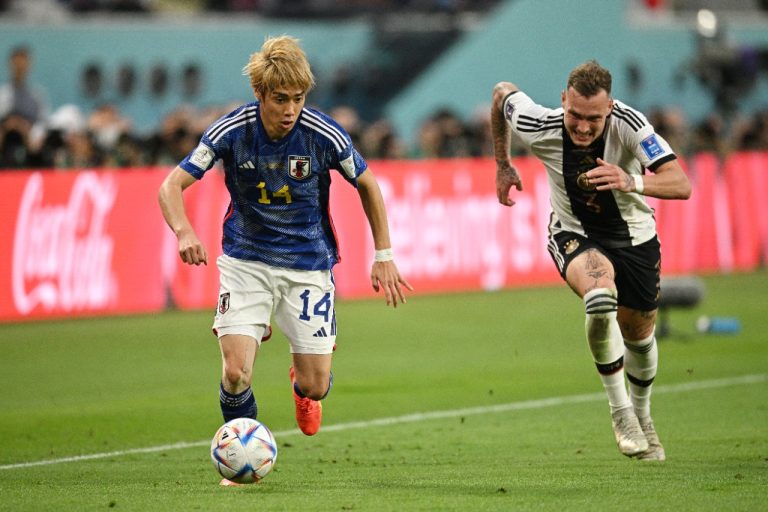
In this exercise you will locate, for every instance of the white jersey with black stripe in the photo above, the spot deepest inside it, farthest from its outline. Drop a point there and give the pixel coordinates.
(613, 218)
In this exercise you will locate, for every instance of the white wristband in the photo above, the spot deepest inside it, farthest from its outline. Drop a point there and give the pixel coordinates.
(384, 255)
(639, 185)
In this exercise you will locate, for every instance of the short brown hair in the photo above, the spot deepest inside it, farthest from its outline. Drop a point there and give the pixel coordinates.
(590, 78)
(280, 63)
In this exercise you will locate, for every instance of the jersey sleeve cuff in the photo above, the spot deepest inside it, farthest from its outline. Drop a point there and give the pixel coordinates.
(507, 97)
(661, 161)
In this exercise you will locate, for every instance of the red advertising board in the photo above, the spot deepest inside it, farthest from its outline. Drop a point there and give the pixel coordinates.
(82, 243)
(448, 230)
(94, 242)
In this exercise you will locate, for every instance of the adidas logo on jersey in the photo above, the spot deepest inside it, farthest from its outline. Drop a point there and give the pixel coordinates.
(247, 165)
(321, 333)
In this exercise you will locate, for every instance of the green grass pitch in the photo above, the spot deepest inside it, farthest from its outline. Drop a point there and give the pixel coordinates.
(481, 401)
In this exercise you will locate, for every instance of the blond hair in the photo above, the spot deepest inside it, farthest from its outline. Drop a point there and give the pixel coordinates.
(590, 78)
(280, 63)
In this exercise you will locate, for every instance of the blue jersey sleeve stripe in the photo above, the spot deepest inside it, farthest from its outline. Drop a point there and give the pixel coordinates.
(324, 121)
(328, 135)
(342, 138)
(236, 113)
(239, 120)
(222, 127)
(232, 127)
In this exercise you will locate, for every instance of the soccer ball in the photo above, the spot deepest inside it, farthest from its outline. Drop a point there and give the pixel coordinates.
(243, 450)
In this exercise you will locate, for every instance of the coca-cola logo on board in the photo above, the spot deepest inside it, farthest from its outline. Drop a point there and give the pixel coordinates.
(62, 255)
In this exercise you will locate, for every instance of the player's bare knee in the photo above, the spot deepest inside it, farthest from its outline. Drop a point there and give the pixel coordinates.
(314, 394)
(316, 389)
(236, 377)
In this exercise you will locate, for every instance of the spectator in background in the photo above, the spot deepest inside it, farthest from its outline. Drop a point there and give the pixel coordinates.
(15, 150)
(672, 124)
(53, 152)
(128, 151)
(108, 125)
(380, 141)
(710, 136)
(752, 134)
(18, 97)
(82, 151)
(429, 140)
(177, 137)
(481, 141)
(445, 135)
(455, 137)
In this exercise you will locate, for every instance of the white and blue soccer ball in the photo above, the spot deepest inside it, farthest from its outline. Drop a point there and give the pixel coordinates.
(244, 450)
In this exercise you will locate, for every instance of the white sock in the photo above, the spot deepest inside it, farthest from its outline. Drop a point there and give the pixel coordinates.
(641, 359)
(606, 344)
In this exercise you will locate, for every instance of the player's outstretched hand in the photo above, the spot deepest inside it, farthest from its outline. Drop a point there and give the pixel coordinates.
(385, 276)
(506, 178)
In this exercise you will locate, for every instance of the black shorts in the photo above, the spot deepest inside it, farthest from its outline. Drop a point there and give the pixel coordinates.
(637, 268)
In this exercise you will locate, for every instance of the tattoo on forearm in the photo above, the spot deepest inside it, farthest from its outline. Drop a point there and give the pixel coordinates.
(499, 133)
(505, 169)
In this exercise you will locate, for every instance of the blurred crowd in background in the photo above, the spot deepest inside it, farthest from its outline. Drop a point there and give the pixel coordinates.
(271, 8)
(34, 136)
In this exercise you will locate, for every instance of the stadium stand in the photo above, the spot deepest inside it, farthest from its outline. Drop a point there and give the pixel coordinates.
(144, 98)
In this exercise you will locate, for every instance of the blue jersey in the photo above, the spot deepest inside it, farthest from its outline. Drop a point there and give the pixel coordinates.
(279, 189)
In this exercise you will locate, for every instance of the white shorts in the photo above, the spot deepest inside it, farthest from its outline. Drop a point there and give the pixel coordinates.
(302, 302)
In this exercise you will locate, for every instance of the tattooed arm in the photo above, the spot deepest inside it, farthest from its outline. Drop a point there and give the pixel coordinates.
(506, 174)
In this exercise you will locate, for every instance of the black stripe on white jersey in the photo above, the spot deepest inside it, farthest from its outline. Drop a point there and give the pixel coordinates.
(530, 124)
(658, 163)
(631, 113)
(628, 116)
(597, 211)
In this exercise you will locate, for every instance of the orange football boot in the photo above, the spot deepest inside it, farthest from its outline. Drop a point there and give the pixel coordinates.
(309, 413)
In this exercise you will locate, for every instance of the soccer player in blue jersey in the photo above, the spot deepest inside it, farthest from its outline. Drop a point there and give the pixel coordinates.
(279, 244)
(602, 233)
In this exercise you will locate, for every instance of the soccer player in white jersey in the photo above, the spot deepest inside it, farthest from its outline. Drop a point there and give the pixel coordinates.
(602, 157)
(279, 245)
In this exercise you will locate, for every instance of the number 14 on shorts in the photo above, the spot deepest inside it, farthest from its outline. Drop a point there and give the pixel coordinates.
(323, 307)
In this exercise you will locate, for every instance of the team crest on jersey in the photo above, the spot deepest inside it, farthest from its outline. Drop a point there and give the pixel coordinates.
(299, 167)
(571, 245)
(583, 182)
(223, 303)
